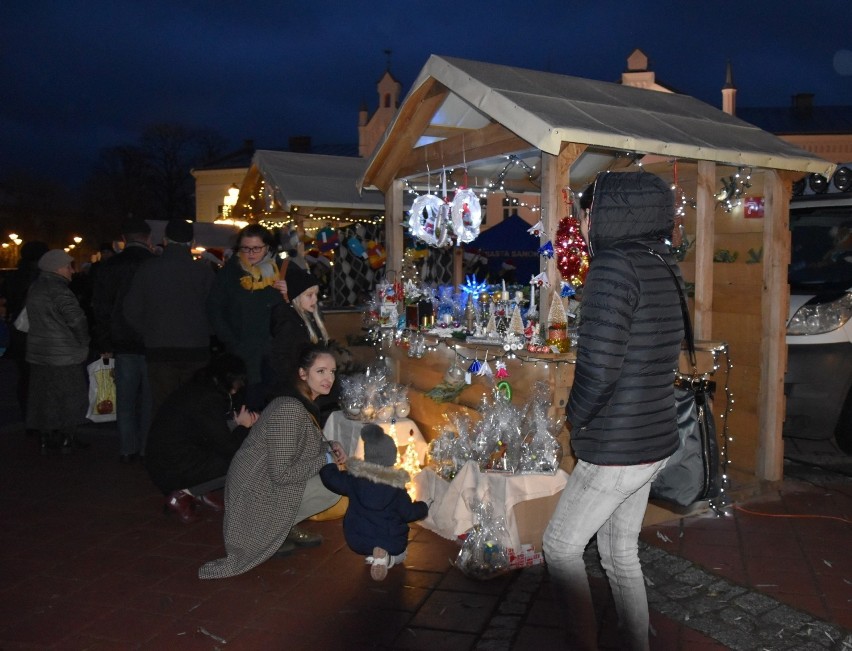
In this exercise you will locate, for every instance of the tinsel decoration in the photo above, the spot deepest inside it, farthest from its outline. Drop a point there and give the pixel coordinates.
(572, 256)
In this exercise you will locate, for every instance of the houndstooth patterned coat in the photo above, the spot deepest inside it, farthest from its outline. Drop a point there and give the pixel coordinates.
(266, 481)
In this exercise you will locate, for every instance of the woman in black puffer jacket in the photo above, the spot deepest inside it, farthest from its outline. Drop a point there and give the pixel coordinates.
(621, 411)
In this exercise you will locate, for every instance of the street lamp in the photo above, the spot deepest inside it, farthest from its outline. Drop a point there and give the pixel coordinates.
(77, 239)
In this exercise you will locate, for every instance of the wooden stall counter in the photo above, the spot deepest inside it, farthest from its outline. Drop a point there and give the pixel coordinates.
(524, 371)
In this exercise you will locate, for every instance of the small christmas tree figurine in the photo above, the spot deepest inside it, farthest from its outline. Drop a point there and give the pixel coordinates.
(557, 315)
(516, 323)
(491, 327)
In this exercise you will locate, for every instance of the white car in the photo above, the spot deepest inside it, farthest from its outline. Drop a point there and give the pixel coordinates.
(818, 383)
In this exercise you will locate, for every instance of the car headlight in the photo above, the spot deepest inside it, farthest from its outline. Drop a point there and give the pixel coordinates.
(816, 317)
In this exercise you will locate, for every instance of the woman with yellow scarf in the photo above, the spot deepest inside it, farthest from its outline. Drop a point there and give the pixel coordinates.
(240, 305)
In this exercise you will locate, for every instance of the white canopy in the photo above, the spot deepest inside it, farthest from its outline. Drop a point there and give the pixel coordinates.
(547, 110)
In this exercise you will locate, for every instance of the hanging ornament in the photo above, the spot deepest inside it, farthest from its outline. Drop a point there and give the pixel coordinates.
(466, 215)
(485, 368)
(540, 280)
(502, 372)
(536, 230)
(474, 368)
(567, 289)
(423, 216)
(572, 257)
(546, 249)
(506, 389)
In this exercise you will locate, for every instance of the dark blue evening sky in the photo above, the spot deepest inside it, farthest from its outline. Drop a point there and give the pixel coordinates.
(78, 76)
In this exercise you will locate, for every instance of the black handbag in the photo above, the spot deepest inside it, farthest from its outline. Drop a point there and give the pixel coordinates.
(692, 472)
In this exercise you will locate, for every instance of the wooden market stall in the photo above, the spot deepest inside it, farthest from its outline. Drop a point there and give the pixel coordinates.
(470, 114)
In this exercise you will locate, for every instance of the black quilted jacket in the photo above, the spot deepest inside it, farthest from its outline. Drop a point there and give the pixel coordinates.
(621, 406)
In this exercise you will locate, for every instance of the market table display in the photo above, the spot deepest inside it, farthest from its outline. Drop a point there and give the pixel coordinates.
(348, 433)
(451, 515)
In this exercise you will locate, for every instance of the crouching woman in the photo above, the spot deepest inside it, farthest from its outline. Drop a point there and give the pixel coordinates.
(273, 482)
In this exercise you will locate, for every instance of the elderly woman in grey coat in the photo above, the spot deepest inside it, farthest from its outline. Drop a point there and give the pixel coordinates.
(273, 482)
(57, 346)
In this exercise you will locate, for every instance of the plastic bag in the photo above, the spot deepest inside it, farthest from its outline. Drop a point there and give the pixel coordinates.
(486, 547)
(101, 391)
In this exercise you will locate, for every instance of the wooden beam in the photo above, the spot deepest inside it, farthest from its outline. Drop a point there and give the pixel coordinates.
(705, 227)
(555, 172)
(411, 121)
(773, 345)
(487, 142)
(394, 213)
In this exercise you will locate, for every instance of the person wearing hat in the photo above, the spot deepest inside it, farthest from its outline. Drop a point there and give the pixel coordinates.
(376, 522)
(115, 337)
(166, 306)
(57, 347)
(294, 324)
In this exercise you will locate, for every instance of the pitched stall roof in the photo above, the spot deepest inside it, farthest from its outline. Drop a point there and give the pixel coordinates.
(546, 110)
(314, 181)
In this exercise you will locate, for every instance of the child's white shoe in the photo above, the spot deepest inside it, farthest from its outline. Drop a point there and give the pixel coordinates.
(379, 564)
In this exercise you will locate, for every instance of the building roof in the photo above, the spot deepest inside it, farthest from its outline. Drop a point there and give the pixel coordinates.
(547, 110)
(816, 120)
(314, 180)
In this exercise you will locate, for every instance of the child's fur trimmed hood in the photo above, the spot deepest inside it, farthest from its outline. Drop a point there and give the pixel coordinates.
(396, 477)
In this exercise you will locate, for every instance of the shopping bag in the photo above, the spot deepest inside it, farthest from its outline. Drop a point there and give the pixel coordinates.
(101, 391)
(22, 322)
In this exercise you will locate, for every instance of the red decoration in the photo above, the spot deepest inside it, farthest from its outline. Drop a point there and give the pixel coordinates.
(753, 208)
(572, 256)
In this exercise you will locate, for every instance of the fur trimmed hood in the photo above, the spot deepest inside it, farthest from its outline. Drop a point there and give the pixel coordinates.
(396, 477)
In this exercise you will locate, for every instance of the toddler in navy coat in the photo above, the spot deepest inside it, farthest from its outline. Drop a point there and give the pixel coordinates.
(376, 522)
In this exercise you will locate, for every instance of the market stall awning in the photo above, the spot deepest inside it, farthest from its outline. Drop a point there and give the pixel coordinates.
(544, 110)
(313, 181)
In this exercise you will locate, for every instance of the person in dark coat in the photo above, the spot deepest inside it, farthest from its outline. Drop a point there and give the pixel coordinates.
(57, 347)
(296, 323)
(195, 434)
(240, 305)
(15, 289)
(273, 481)
(115, 337)
(376, 522)
(167, 306)
(621, 410)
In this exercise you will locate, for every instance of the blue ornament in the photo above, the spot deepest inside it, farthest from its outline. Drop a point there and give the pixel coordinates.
(546, 249)
(473, 286)
(567, 290)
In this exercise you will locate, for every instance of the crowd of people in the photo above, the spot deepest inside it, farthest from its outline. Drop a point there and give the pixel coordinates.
(223, 381)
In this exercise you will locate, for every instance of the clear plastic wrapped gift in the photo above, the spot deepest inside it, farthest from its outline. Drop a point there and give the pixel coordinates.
(484, 553)
(540, 450)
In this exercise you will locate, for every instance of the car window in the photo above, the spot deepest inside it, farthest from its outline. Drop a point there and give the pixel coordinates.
(821, 253)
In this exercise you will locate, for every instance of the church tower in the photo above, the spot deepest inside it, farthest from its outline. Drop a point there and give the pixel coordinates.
(371, 130)
(729, 92)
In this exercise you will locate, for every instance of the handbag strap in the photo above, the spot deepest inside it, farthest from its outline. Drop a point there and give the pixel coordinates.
(684, 309)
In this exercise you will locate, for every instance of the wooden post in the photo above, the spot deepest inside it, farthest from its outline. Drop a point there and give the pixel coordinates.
(773, 313)
(705, 229)
(393, 229)
(555, 171)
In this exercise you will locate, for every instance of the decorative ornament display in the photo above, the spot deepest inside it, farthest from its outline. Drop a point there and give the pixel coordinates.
(540, 280)
(506, 389)
(546, 249)
(424, 214)
(501, 372)
(566, 289)
(536, 230)
(466, 215)
(572, 256)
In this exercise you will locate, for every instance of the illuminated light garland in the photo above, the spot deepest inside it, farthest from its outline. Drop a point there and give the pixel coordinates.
(733, 189)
